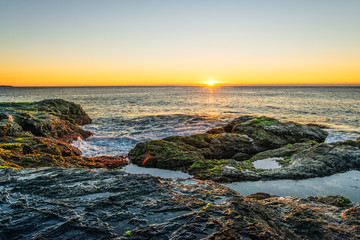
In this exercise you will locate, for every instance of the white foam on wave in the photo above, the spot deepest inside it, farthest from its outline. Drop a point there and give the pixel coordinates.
(87, 149)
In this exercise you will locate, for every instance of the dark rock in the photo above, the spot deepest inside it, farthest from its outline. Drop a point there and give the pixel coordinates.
(306, 161)
(229, 127)
(350, 143)
(216, 130)
(285, 151)
(95, 204)
(49, 118)
(47, 125)
(64, 110)
(241, 156)
(226, 145)
(10, 128)
(4, 116)
(270, 133)
(261, 196)
(338, 201)
(164, 154)
(180, 152)
(320, 160)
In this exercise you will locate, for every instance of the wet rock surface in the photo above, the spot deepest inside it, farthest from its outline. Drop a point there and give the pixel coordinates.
(270, 133)
(299, 162)
(53, 203)
(37, 134)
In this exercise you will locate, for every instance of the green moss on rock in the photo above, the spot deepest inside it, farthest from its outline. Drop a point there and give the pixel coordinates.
(261, 120)
(164, 154)
(338, 201)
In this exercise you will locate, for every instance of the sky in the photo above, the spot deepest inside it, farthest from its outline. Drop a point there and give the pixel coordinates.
(179, 42)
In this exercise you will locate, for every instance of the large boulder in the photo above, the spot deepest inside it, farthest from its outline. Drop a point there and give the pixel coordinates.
(270, 133)
(320, 160)
(226, 145)
(179, 152)
(65, 110)
(47, 125)
(57, 119)
(164, 154)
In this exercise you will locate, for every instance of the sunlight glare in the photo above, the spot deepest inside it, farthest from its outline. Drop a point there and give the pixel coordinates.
(210, 83)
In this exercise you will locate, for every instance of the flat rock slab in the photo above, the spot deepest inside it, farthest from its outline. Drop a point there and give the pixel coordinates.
(54, 203)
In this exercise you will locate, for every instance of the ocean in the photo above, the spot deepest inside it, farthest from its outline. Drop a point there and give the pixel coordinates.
(124, 116)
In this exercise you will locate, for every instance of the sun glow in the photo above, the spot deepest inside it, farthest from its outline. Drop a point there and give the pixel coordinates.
(210, 83)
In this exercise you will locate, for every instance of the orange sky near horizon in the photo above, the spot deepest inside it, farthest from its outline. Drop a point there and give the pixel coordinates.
(89, 78)
(92, 75)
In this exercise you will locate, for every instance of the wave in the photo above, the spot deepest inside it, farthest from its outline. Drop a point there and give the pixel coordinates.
(100, 146)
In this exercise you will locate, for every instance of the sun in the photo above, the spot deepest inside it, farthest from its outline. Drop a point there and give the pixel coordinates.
(210, 83)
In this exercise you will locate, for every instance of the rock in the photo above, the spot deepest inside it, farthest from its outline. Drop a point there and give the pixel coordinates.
(241, 156)
(49, 118)
(261, 196)
(270, 133)
(285, 151)
(164, 154)
(229, 127)
(55, 203)
(216, 130)
(224, 170)
(37, 134)
(64, 110)
(338, 201)
(350, 143)
(4, 116)
(226, 145)
(10, 128)
(180, 152)
(301, 161)
(320, 160)
(50, 126)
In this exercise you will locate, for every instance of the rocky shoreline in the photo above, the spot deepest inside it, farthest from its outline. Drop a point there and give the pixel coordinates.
(75, 202)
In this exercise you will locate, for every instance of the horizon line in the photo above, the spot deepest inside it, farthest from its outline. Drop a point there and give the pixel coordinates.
(195, 85)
